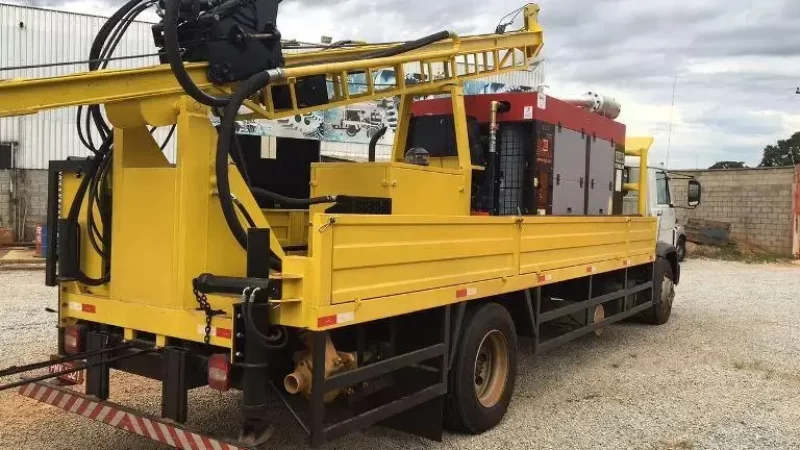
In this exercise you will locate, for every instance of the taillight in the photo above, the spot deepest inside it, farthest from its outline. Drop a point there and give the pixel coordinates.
(219, 372)
(72, 339)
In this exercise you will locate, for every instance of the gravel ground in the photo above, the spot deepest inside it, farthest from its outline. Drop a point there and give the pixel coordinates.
(724, 373)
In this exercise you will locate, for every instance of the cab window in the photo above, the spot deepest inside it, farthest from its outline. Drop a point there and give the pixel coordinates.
(662, 189)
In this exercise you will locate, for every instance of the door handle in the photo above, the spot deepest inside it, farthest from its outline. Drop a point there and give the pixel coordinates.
(659, 212)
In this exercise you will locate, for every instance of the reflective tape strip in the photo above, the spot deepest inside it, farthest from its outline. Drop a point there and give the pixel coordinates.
(106, 412)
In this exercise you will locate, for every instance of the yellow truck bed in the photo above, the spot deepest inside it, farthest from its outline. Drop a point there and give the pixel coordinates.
(366, 267)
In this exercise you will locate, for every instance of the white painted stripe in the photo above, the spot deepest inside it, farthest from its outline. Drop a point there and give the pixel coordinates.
(78, 403)
(165, 432)
(117, 419)
(28, 389)
(51, 397)
(148, 425)
(215, 444)
(200, 444)
(90, 409)
(182, 438)
(102, 416)
(40, 393)
(135, 424)
(64, 401)
(75, 306)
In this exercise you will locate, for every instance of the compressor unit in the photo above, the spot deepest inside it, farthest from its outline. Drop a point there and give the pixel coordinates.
(533, 154)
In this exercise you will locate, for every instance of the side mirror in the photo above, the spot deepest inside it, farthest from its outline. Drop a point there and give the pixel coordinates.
(693, 194)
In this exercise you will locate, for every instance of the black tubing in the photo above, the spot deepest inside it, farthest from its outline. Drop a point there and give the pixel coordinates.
(227, 134)
(393, 51)
(373, 143)
(290, 201)
(219, 284)
(176, 62)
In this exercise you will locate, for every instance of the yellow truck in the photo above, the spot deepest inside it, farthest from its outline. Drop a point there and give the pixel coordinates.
(392, 292)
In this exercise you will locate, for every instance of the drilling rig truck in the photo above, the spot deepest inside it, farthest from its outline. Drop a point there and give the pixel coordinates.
(386, 292)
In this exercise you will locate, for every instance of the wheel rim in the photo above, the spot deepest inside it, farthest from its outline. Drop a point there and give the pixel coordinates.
(667, 294)
(491, 368)
(599, 316)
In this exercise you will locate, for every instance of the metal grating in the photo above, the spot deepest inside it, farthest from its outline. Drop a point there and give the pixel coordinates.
(513, 142)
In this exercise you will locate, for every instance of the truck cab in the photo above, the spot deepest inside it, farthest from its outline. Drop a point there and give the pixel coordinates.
(660, 201)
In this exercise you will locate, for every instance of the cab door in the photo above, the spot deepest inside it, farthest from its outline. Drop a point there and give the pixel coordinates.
(664, 209)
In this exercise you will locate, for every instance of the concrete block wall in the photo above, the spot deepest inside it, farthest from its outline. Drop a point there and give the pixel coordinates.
(29, 194)
(757, 203)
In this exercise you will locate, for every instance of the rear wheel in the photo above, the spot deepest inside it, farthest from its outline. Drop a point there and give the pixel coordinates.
(483, 375)
(663, 293)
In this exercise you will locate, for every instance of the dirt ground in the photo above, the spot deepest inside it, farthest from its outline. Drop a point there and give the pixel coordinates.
(724, 373)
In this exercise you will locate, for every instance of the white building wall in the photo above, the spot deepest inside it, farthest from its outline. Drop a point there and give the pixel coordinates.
(31, 36)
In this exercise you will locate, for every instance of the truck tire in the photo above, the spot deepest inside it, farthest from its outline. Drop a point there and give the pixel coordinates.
(663, 293)
(680, 249)
(483, 375)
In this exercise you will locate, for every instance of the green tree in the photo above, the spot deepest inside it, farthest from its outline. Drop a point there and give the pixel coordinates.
(728, 165)
(784, 153)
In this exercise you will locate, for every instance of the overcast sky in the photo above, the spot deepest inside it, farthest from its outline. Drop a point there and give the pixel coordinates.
(737, 61)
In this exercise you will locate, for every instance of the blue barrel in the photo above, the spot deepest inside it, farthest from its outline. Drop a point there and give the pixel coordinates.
(44, 242)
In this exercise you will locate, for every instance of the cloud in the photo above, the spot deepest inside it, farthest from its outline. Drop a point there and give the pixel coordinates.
(734, 64)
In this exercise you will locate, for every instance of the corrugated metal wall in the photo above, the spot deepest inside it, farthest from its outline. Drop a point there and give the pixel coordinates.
(30, 36)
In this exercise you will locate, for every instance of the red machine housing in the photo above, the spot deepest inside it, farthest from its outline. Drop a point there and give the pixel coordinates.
(553, 157)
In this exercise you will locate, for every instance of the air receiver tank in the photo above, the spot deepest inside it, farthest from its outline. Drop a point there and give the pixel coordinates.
(597, 103)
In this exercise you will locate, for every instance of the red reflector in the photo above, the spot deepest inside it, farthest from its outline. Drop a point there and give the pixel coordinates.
(72, 339)
(224, 333)
(219, 368)
(545, 145)
(88, 308)
(326, 321)
(461, 293)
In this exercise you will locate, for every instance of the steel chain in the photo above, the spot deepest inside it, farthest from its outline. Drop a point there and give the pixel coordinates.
(202, 300)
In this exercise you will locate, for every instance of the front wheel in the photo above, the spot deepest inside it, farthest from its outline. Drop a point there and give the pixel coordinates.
(680, 249)
(482, 379)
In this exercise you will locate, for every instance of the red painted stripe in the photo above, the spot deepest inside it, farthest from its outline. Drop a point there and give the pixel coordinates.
(326, 321)
(178, 436)
(143, 425)
(207, 443)
(72, 400)
(81, 409)
(38, 393)
(174, 435)
(96, 412)
(224, 333)
(159, 435)
(125, 423)
(57, 399)
(190, 440)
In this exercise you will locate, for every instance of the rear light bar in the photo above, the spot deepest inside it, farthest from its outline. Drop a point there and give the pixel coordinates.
(219, 372)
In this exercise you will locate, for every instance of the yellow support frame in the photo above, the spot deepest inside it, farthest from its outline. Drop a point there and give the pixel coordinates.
(168, 227)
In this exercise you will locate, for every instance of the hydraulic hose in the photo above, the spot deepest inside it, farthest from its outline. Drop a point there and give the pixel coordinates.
(176, 62)
(227, 134)
(289, 201)
(394, 51)
(373, 143)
